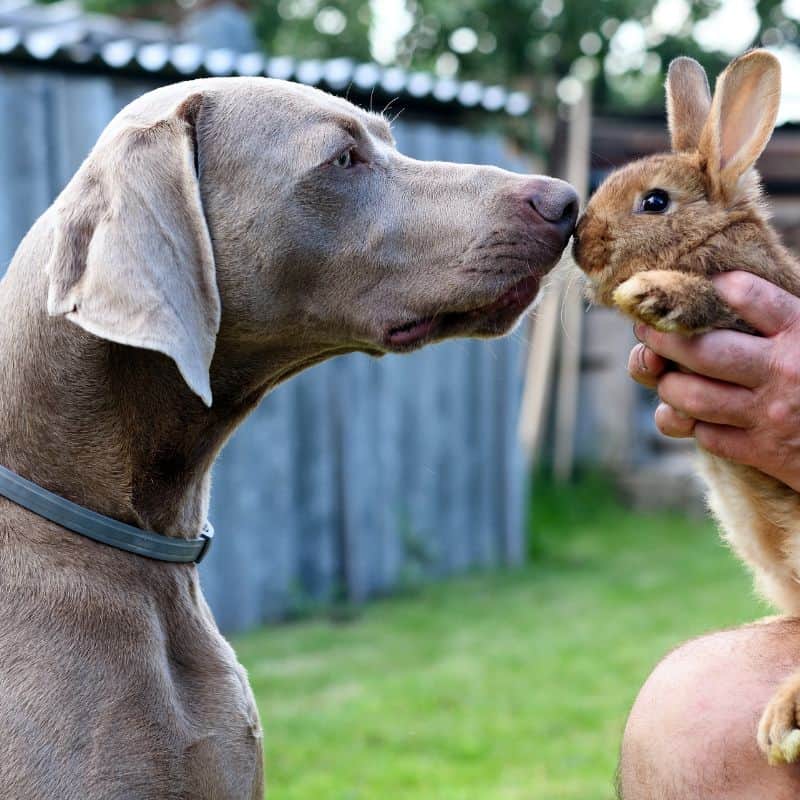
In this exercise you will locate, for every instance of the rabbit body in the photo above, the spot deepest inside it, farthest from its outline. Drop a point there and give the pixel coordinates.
(651, 238)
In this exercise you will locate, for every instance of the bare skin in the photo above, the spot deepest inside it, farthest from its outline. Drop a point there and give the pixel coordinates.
(690, 733)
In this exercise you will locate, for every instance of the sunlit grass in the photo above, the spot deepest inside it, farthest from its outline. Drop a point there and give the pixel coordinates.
(512, 686)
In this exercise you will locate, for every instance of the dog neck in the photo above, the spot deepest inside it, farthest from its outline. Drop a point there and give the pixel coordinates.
(115, 428)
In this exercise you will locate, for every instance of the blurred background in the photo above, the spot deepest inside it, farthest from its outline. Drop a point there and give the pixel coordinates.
(447, 573)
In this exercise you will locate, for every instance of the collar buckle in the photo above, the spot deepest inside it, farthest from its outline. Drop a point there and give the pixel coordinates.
(207, 535)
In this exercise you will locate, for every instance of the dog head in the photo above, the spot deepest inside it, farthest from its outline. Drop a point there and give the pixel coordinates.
(267, 213)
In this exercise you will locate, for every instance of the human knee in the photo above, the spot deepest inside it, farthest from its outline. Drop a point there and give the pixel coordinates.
(692, 730)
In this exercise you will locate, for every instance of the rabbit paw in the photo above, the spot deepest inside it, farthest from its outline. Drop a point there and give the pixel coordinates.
(779, 729)
(670, 301)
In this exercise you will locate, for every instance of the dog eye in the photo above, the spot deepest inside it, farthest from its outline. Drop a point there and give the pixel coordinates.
(345, 160)
(656, 201)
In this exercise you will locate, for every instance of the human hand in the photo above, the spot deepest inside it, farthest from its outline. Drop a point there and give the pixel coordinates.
(740, 397)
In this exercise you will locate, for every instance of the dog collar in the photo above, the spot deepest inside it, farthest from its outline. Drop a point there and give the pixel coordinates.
(101, 528)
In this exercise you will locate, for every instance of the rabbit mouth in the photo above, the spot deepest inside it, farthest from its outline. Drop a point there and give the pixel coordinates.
(599, 293)
(592, 243)
(591, 258)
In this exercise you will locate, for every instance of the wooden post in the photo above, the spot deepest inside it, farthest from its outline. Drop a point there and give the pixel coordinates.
(539, 369)
(552, 331)
(568, 386)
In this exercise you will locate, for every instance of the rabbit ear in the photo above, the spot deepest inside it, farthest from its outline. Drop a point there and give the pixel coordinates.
(688, 102)
(132, 259)
(742, 118)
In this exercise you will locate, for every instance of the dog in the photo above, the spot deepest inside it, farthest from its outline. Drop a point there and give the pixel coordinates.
(222, 235)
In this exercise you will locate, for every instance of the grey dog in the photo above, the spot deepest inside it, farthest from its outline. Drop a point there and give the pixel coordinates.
(222, 235)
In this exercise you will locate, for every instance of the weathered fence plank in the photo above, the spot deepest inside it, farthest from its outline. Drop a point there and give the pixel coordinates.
(80, 108)
(24, 156)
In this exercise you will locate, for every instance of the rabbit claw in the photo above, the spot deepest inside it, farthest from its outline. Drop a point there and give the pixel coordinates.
(779, 728)
(665, 300)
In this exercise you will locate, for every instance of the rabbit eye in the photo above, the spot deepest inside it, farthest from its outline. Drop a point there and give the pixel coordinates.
(656, 201)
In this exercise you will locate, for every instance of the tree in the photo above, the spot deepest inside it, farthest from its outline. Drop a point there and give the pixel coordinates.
(529, 44)
(621, 46)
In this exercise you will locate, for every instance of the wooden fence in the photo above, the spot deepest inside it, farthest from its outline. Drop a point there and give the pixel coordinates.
(354, 479)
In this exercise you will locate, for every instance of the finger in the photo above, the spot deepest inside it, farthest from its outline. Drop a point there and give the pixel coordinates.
(724, 355)
(765, 306)
(721, 440)
(672, 423)
(707, 400)
(645, 366)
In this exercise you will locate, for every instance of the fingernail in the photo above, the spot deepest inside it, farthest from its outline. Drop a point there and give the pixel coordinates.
(642, 361)
(639, 330)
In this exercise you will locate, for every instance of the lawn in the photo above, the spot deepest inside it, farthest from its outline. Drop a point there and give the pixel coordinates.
(511, 686)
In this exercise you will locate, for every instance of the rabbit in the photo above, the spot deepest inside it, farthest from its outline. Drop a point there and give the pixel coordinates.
(649, 240)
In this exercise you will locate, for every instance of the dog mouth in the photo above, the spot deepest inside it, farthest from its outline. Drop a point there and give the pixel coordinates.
(491, 319)
(412, 332)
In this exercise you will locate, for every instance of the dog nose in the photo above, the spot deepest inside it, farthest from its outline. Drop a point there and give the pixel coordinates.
(554, 201)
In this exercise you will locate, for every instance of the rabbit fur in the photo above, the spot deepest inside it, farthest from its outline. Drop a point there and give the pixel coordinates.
(649, 241)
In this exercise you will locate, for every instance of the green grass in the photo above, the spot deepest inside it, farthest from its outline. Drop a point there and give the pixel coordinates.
(513, 686)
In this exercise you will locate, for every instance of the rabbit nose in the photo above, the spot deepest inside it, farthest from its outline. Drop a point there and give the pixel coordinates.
(554, 201)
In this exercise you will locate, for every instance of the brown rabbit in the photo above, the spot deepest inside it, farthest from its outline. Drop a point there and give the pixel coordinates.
(649, 240)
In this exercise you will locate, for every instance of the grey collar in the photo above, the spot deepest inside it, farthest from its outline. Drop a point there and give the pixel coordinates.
(101, 528)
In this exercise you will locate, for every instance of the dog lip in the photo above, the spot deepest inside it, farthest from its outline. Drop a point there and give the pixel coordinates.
(411, 333)
(507, 306)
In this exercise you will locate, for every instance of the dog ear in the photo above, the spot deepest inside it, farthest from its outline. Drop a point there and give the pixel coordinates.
(132, 260)
(742, 117)
(688, 102)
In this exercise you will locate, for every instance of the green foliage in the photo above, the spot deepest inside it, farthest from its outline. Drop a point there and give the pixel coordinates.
(500, 687)
(524, 43)
(314, 29)
(535, 38)
(556, 507)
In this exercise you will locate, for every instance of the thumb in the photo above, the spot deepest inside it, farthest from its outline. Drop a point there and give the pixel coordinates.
(768, 308)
